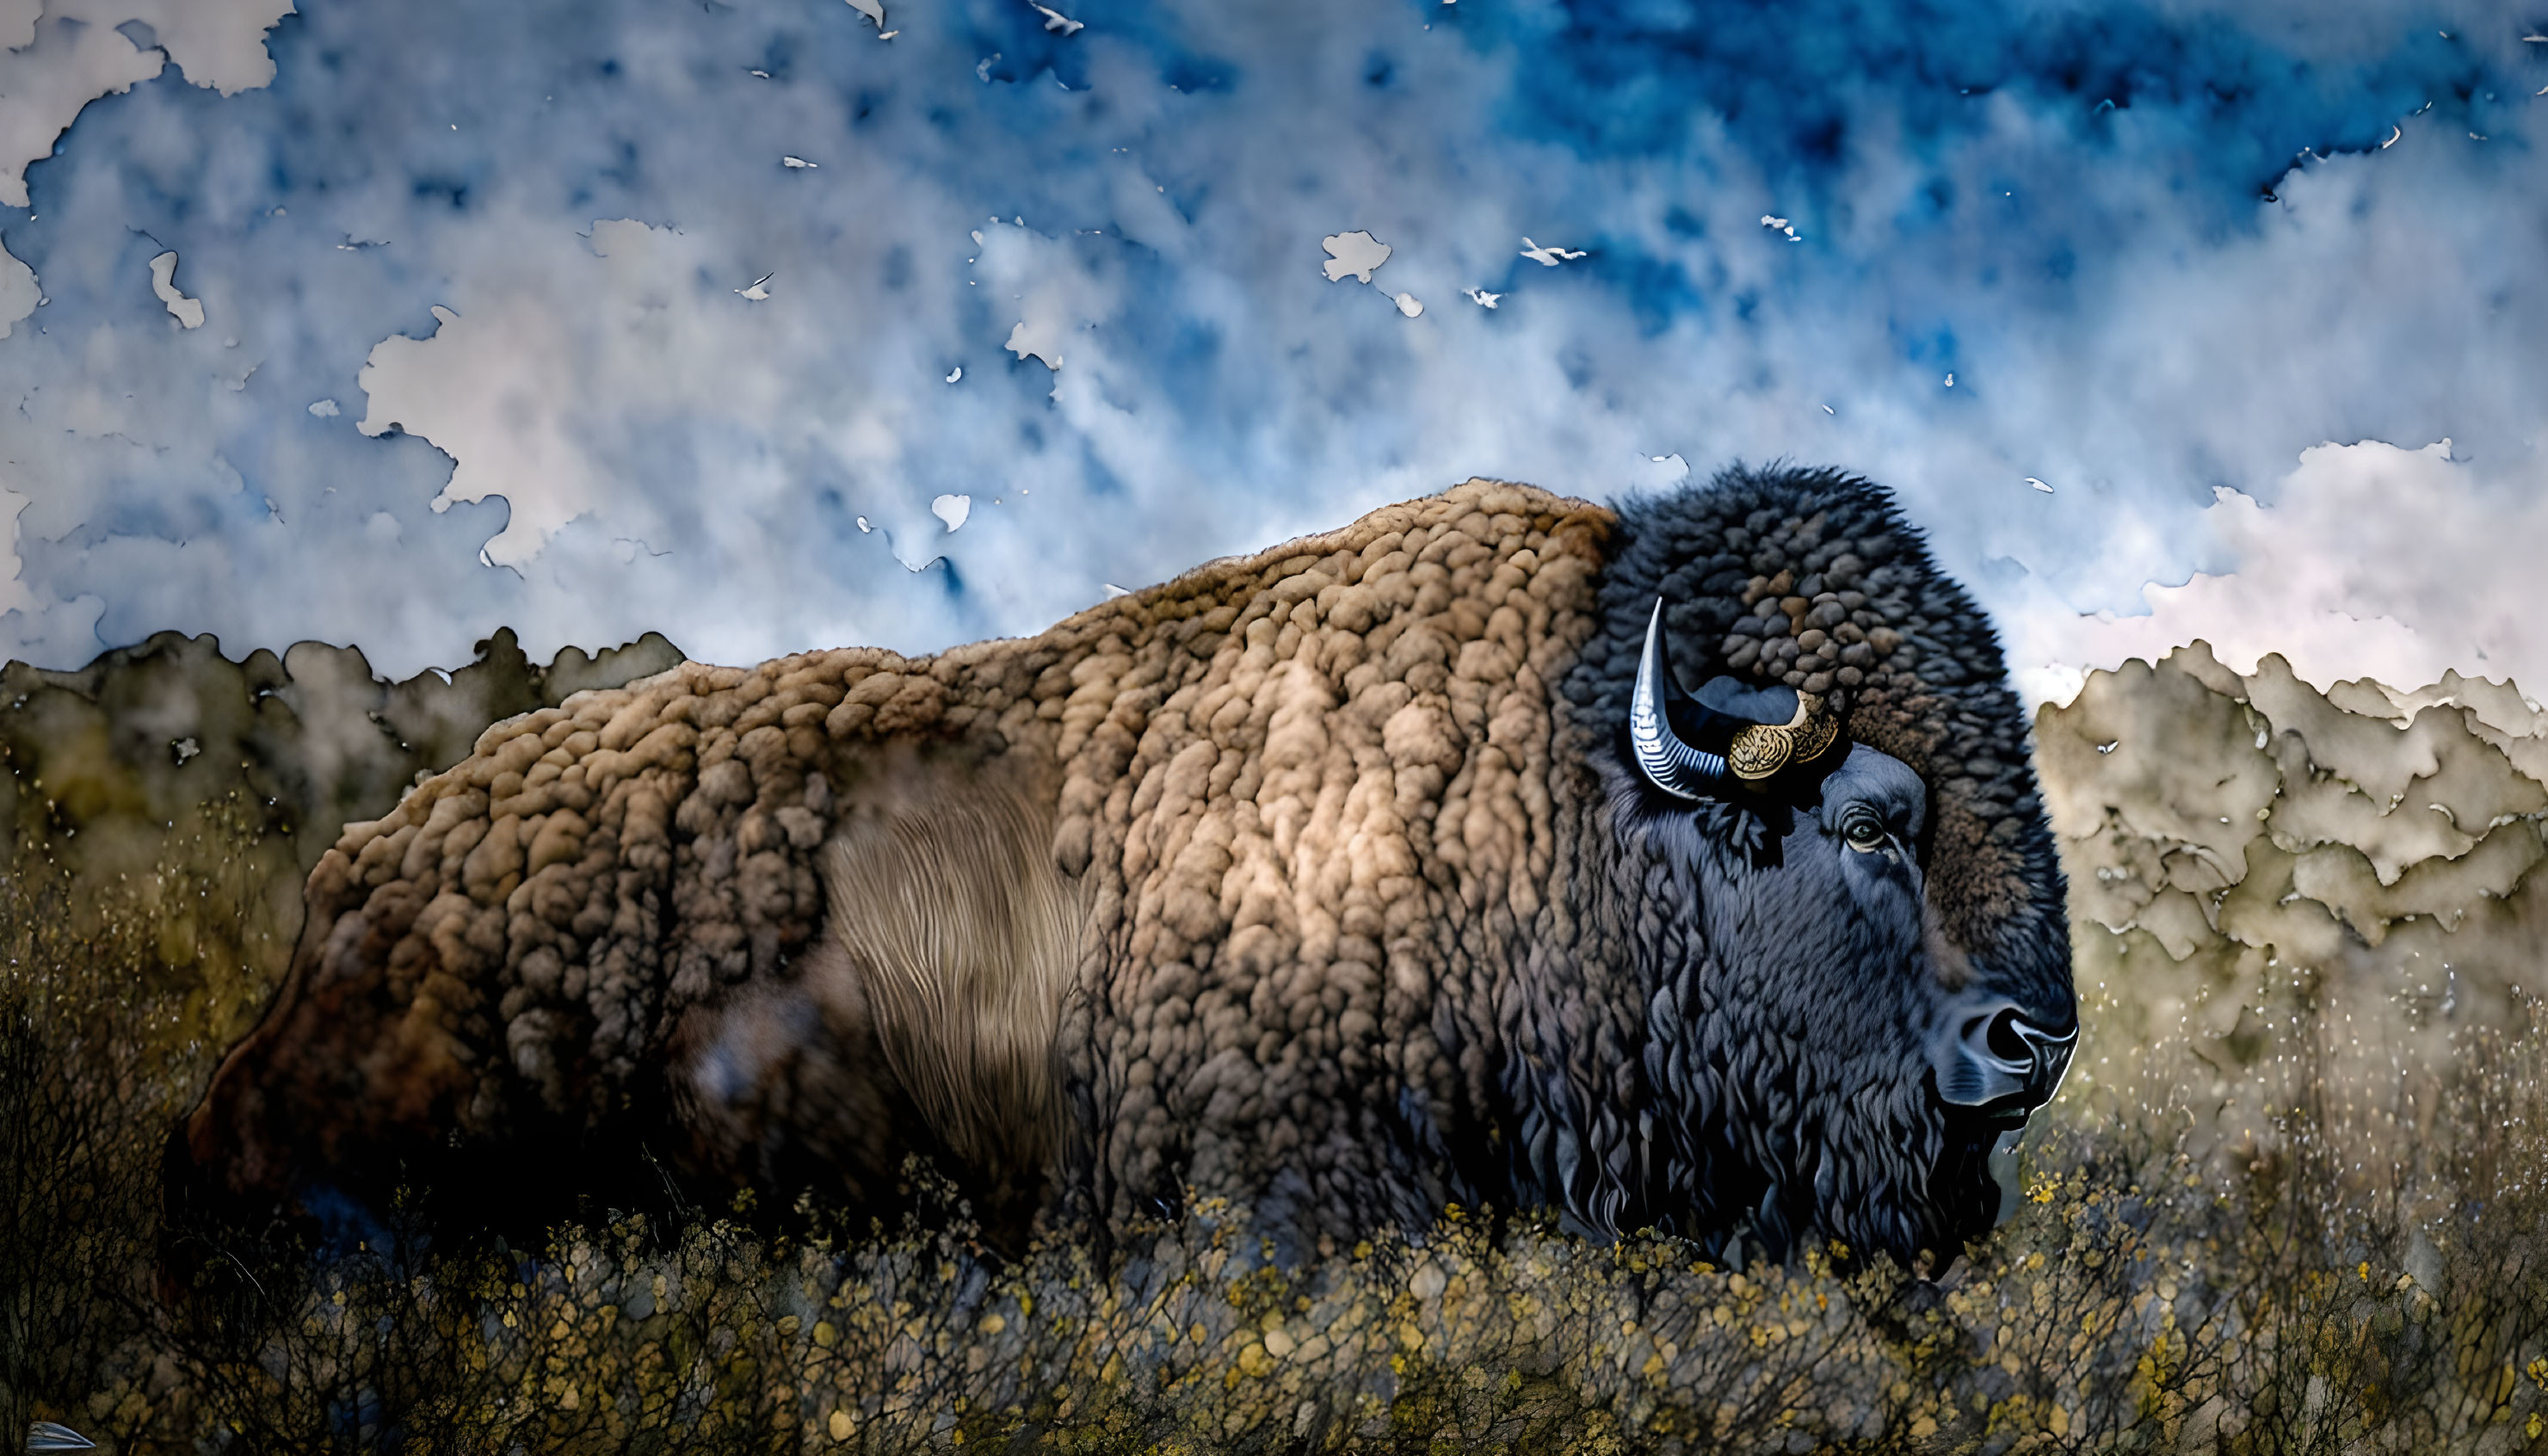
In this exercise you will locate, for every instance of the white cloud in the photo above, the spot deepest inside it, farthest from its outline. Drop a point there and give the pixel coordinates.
(218, 43)
(43, 87)
(481, 389)
(51, 71)
(18, 291)
(623, 316)
(1053, 297)
(1039, 341)
(189, 313)
(1353, 255)
(2370, 561)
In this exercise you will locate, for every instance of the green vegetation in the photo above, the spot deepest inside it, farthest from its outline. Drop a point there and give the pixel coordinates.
(2290, 1202)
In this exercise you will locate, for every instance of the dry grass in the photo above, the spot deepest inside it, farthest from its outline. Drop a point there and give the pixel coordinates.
(2333, 1284)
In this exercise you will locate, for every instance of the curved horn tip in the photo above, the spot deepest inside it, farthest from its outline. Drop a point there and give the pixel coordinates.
(1668, 764)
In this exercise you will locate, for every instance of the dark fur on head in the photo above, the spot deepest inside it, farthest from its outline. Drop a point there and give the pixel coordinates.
(1790, 991)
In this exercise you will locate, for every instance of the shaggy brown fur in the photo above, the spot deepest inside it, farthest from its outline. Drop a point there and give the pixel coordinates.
(520, 938)
(1254, 882)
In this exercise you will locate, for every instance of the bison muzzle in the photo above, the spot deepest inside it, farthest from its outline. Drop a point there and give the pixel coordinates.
(1676, 866)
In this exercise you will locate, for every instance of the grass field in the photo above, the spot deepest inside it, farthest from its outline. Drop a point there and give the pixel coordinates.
(2290, 1199)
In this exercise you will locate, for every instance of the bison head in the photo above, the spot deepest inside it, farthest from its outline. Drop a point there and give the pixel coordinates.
(1851, 940)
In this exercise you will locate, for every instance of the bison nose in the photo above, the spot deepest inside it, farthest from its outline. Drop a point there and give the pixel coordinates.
(1990, 1057)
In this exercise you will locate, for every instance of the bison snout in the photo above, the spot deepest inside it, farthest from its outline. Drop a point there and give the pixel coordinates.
(1991, 1058)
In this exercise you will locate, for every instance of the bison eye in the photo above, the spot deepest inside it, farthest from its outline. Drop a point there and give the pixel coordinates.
(1865, 832)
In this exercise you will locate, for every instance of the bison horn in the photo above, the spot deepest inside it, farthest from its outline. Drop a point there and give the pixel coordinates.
(1728, 735)
(1668, 764)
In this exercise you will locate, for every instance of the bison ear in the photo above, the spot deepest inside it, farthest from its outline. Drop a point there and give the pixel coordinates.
(1732, 735)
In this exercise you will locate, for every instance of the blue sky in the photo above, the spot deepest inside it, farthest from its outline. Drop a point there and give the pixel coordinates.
(2116, 295)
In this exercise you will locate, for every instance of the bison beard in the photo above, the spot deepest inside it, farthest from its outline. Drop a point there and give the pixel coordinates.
(1325, 880)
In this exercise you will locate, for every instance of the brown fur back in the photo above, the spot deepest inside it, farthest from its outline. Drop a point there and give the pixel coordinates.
(653, 884)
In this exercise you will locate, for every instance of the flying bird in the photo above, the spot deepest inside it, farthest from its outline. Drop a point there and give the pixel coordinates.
(1479, 296)
(757, 292)
(796, 161)
(1548, 258)
(47, 1436)
(1055, 20)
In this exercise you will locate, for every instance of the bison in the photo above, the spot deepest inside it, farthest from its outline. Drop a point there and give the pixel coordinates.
(1678, 866)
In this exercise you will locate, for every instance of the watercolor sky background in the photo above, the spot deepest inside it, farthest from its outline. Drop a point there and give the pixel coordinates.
(2168, 319)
